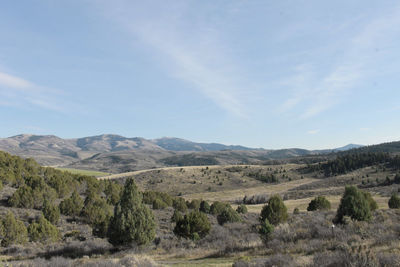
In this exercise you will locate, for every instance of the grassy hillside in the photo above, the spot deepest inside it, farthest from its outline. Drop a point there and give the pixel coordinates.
(306, 239)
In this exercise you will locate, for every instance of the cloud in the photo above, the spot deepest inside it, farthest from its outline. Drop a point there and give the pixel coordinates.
(14, 82)
(313, 131)
(315, 89)
(190, 49)
(18, 92)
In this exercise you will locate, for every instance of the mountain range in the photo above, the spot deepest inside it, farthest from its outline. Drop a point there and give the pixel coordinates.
(114, 152)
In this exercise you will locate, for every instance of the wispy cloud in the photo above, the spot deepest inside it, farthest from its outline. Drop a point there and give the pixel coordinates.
(313, 131)
(18, 92)
(315, 90)
(191, 51)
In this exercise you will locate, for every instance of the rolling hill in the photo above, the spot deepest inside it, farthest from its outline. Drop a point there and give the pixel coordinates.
(115, 153)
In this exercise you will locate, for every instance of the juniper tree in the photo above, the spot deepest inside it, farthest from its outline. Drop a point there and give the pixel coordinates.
(133, 222)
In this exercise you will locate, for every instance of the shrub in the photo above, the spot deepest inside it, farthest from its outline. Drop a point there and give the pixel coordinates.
(72, 206)
(113, 192)
(394, 202)
(133, 222)
(12, 230)
(217, 207)
(371, 202)
(265, 230)
(43, 231)
(204, 207)
(158, 204)
(353, 204)
(319, 203)
(179, 204)
(194, 225)
(97, 213)
(228, 215)
(275, 211)
(194, 204)
(177, 216)
(51, 212)
(241, 209)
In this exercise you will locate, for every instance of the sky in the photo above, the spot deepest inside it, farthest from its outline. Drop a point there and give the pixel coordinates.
(272, 74)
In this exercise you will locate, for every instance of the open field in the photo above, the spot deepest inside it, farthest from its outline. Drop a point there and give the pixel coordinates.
(84, 172)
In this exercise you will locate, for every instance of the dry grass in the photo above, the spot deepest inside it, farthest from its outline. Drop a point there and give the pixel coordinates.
(232, 195)
(302, 203)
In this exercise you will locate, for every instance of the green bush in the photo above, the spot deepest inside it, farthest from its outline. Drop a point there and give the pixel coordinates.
(12, 230)
(204, 207)
(133, 221)
(32, 194)
(319, 203)
(150, 196)
(194, 204)
(194, 225)
(158, 204)
(228, 215)
(265, 230)
(97, 214)
(113, 192)
(51, 212)
(371, 202)
(72, 206)
(179, 204)
(241, 209)
(296, 211)
(43, 231)
(177, 216)
(394, 202)
(217, 207)
(275, 211)
(353, 204)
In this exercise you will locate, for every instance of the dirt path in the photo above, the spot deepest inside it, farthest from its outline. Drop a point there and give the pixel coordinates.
(129, 174)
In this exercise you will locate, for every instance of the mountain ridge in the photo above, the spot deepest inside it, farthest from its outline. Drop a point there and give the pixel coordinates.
(52, 150)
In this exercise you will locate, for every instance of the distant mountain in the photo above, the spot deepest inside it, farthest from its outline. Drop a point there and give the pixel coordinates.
(389, 147)
(115, 152)
(52, 150)
(110, 152)
(177, 144)
(348, 147)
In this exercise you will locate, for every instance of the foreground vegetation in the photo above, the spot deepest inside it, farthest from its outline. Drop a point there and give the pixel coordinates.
(254, 217)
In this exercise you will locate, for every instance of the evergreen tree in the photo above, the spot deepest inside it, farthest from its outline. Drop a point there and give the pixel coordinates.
(43, 231)
(133, 221)
(265, 230)
(275, 211)
(13, 231)
(177, 216)
(394, 202)
(51, 212)
(241, 209)
(204, 207)
(72, 206)
(97, 213)
(319, 203)
(228, 215)
(194, 225)
(372, 203)
(353, 204)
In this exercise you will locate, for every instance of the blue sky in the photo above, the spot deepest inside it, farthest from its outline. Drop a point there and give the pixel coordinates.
(272, 74)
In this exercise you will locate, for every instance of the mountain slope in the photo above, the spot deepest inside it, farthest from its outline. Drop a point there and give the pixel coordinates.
(177, 144)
